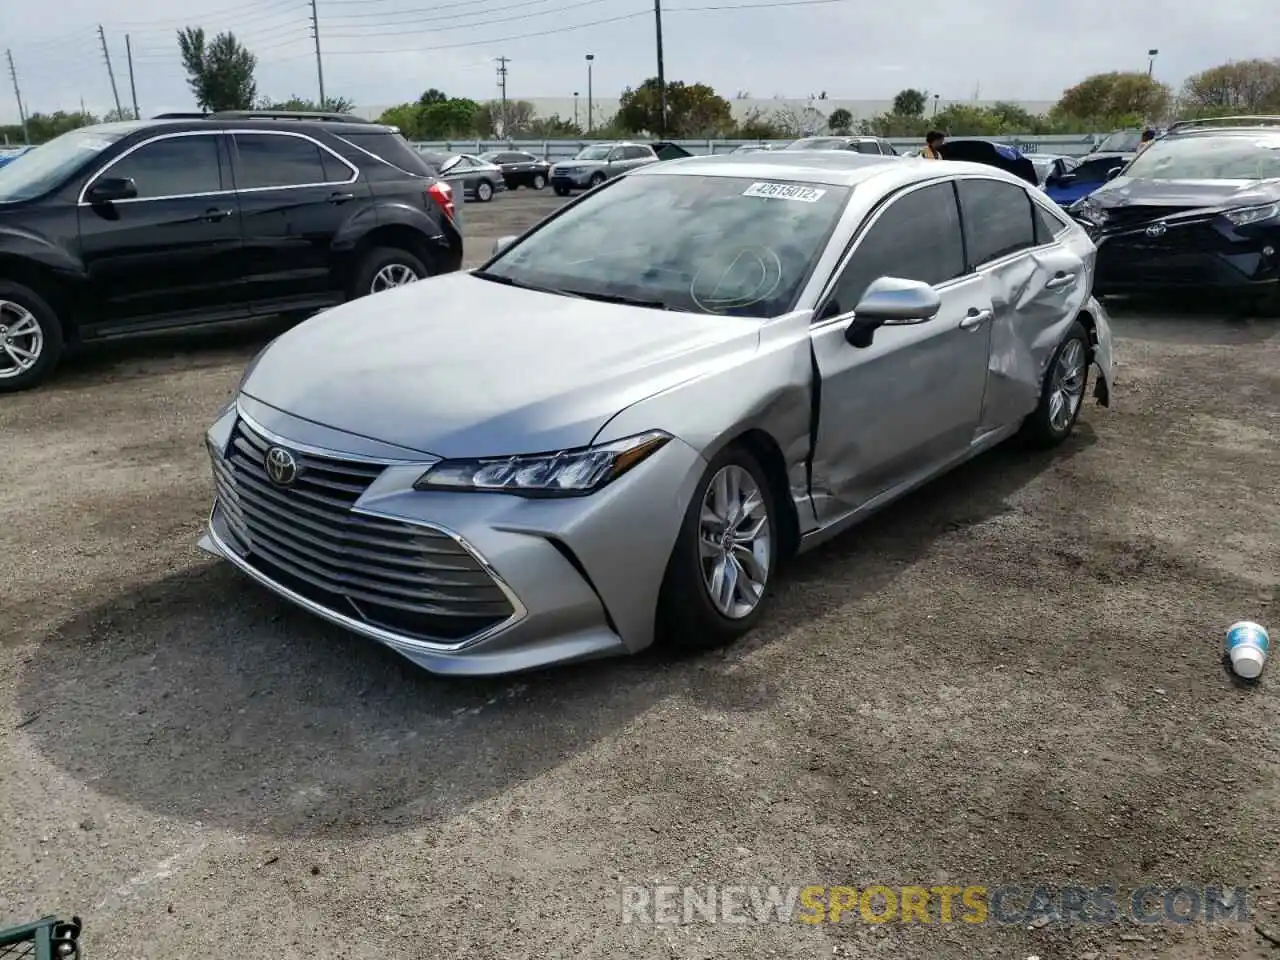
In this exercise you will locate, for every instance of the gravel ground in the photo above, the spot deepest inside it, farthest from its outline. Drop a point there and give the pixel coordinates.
(1012, 677)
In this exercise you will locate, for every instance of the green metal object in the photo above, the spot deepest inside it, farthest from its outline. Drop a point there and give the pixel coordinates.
(47, 939)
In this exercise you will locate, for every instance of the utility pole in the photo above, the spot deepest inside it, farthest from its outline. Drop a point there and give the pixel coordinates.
(22, 112)
(133, 87)
(315, 32)
(662, 75)
(502, 85)
(106, 55)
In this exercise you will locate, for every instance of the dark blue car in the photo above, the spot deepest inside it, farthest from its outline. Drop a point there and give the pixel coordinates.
(8, 154)
(1087, 176)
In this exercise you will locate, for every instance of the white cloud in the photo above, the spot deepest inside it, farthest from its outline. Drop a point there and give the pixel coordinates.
(387, 51)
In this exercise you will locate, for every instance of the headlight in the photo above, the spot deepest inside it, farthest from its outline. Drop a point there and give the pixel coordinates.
(1247, 215)
(568, 473)
(1088, 210)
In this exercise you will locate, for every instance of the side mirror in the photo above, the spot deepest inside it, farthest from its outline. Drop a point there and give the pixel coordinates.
(502, 243)
(891, 301)
(112, 188)
(1114, 172)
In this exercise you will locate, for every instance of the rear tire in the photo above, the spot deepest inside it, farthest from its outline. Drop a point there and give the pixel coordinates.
(597, 179)
(539, 181)
(385, 268)
(30, 326)
(484, 191)
(689, 617)
(1062, 394)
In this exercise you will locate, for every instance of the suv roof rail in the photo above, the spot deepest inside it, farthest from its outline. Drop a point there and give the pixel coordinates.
(180, 116)
(331, 117)
(1224, 122)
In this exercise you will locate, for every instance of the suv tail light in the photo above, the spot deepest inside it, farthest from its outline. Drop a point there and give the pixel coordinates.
(442, 194)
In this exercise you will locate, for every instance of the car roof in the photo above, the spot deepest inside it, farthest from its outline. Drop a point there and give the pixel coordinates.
(834, 167)
(1223, 133)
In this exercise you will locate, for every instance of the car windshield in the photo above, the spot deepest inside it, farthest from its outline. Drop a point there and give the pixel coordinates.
(817, 143)
(1123, 141)
(718, 245)
(38, 171)
(1209, 158)
(593, 153)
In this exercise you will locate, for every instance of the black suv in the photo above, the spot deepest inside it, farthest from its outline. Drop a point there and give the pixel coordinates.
(156, 224)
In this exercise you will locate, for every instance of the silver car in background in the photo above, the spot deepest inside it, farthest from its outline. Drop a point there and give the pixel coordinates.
(597, 163)
(619, 427)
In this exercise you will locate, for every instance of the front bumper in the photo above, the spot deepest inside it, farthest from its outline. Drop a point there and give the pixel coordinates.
(574, 179)
(517, 583)
(1199, 253)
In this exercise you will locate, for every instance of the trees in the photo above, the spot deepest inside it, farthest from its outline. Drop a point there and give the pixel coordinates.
(1117, 99)
(219, 73)
(1248, 86)
(43, 127)
(434, 117)
(840, 121)
(909, 103)
(519, 117)
(693, 110)
(296, 103)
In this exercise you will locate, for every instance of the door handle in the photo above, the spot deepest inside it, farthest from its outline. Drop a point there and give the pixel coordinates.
(213, 214)
(341, 197)
(975, 318)
(1060, 280)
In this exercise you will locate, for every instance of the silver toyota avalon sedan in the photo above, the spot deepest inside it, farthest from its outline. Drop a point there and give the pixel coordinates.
(619, 427)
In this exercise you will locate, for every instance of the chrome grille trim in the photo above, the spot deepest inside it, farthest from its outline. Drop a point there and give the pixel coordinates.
(389, 572)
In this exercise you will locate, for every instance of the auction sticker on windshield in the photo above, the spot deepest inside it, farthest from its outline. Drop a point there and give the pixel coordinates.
(784, 191)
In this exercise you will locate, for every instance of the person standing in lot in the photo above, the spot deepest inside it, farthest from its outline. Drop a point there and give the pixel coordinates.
(1148, 136)
(933, 142)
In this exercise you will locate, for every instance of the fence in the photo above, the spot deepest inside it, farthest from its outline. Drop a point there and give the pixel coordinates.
(1073, 145)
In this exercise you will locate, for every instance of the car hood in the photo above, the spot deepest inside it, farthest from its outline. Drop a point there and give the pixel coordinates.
(1185, 194)
(458, 366)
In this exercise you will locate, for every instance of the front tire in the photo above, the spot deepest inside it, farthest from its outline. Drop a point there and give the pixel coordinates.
(484, 191)
(1062, 393)
(30, 338)
(385, 268)
(562, 191)
(719, 576)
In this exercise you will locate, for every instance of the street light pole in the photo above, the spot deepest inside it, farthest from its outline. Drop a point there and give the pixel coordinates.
(575, 108)
(1151, 61)
(662, 77)
(590, 57)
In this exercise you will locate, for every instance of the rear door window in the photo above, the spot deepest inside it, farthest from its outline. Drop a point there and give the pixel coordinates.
(997, 219)
(867, 146)
(1047, 225)
(278, 160)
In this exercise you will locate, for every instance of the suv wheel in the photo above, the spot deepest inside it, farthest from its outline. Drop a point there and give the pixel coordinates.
(597, 179)
(30, 338)
(385, 268)
(562, 191)
(484, 191)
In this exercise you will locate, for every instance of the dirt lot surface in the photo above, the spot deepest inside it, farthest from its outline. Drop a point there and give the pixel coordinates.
(1011, 678)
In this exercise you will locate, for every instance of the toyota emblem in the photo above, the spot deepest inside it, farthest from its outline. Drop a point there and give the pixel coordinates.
(1156, 230)
(282, 467)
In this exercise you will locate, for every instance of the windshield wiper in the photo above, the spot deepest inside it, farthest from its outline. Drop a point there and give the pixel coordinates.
(511, 282)
(624, 300)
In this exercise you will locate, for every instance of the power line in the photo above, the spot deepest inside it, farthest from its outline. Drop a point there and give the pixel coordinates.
(380, 32)
(479, 43)
(416, 15)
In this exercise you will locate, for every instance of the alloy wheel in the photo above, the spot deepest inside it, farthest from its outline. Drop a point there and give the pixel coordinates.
(1067, 387)
(734, 542)
(21, 339)
(392, 275)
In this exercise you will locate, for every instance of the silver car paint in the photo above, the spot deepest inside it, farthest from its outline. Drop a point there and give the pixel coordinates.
(706, 380)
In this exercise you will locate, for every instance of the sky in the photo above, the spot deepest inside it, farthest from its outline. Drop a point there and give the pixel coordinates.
(381, 52)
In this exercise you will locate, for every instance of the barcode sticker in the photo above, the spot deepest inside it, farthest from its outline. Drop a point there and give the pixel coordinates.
(784, 191)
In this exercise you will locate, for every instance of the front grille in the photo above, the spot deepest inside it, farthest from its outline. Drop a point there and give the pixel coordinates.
(1130, 216)
(1197, 237)
(402, 577)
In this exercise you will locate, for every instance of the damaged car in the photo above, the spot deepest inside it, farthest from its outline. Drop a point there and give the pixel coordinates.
(619, 428)
(1198, 209)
